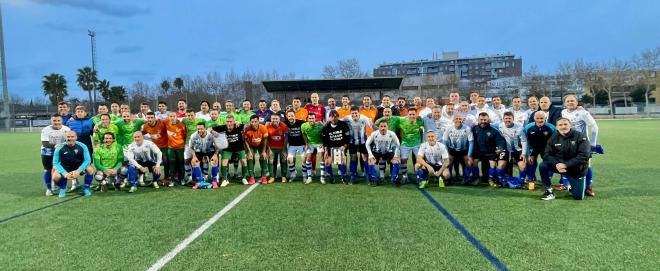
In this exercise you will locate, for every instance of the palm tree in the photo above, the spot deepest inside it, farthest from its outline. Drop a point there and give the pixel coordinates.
(87, 80)
(165, 85)
(103, 87)
(178, 84)
(54, 86)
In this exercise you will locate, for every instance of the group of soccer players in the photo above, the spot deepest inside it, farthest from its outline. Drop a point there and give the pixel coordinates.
(119, 149)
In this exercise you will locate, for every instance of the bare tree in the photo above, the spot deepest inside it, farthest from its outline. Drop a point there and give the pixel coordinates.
(330, 72)
(345, 68)
(610, 75)
(646, 66)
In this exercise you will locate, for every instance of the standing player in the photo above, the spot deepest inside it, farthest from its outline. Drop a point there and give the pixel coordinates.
(162, 113)
(332, 105)
(459, 141)
(108, 161)
(498, 107)
(190, 121)
(297, 145)
(236, 145)
(520, 116)
(383, 144)
(315, 107)
(181, 108)
(345, 109)
(263, 112)
(275, 109)
(256, 137)
(392, 125)
(311, 131)
(102, 109)
(204, 112)
(277, 141)
(516, 145)
(204, 152)
(300, 113)
(83, 126)
(582, 121)
(432, 160)
(402, 106)
(127, 126)
(412, 129)
(63, 111)
(336, 136)
(52, 136)
(359, 126)
(490, 149)
(386, 102)
(70, 160)
(537, 133)
(482, 107)
(155, 130)
(176, 144)
(105, 126)
(143, 156)
(245, 113)
(144, 109)
(468, 119)
(435, 122)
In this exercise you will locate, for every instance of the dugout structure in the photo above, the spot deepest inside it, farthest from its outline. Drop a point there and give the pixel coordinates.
(285, 90)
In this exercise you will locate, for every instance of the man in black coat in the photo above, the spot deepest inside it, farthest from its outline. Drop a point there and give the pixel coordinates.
(566, 153)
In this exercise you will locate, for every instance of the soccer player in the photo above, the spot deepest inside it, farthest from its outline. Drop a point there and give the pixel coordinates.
(144, 109)
(469, 120)
(392, 125)
(155, 130)
(105, 126)
(108, 161)
(297, 145)
(520, 116)
(311, 131)
(490, 149)
(300, 113)
(336, 136)
(277, 110)
(432, 160)
(315, 107)
(482, 107)
(552, 113)
(582, 121)
(538, 133)
(427, 108)
(345, 109)
(176, 143)
(332, 105)
(459, 141)
(123, 108)
(263, 112)
(498, 107)
(70, 160)
(277, 151)
(83, 126)
(412, 129)
(383, 145)
(359, 126)
(215, 119)
(190, 121)
(63, 110)
(127, 126)
(435, 122)
(402, 106)
(532, 106)
(243, 115)
(102, 109)
(386, 102)
(52, 136)
(181, 108)
(143, 156)
(454, 104)
(115, 111)
(204, 112)
(516, 144)
(256, 137)
(368, 110)
(566, 153)
(162, 113)
(204, 152)
(236, 144)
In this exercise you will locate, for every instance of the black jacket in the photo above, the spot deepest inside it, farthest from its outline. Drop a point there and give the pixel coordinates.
(573, 149)
(334, 137)
(554, 113)
(487, 139)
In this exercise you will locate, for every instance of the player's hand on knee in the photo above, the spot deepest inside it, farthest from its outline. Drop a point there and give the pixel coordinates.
(372, 160)
(157, 170)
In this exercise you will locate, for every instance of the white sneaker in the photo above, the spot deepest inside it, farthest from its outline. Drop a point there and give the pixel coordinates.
(309, 180)
(322, 180)
(124, 183)
(141, 180)
(244, 181)
(224, 183)
(171, 184)
(49, 192)
(74, 186)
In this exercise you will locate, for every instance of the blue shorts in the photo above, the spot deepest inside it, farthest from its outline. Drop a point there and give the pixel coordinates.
(292, 150)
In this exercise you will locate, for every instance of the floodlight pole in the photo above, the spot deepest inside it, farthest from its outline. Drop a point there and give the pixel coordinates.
(92, 38)
(5, 92)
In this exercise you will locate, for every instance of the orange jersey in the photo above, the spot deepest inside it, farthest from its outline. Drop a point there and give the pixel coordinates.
(403, 111)
(301, 114)
(371, 114)
(344, 112)
(176, 135)
(157, 132)
(276, 135)
(254, 137)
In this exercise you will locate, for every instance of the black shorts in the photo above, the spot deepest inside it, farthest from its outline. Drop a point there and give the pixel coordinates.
(435, 168)
(354, 149)
(514, 157)
(200, 155)
(47, 162)
(487, 157)
(387, 157)
(456, 153)
(148, 164)
(536, 152)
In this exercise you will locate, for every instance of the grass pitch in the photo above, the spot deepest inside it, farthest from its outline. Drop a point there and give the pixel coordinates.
(336, 227)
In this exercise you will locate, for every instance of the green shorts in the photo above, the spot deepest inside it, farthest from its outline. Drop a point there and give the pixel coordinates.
(226, 155)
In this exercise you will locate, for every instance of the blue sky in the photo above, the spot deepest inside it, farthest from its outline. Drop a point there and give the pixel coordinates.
(149, 40)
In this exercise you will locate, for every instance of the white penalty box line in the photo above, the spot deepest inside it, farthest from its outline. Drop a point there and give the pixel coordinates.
(199, 231)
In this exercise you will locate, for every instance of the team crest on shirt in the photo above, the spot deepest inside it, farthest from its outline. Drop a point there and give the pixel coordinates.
(545, 133)
(488, 133)
(573, 142)
(75, 151)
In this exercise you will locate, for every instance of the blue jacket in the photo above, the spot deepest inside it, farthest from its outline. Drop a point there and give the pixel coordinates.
(487, 139)
(537, 136)
(69, 158)
(84, 128)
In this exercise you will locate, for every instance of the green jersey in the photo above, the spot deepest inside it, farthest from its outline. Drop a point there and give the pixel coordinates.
(97, 119)
(392, 124)
(243, 117)
(126, 130)
(98, 136)
(411, 134)
(214, 123)
(108, 157)
(312, 132)
(191, 126)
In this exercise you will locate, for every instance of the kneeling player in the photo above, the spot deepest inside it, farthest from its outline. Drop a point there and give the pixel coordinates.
(432, 161)
(143, 156)
(383, 145)
(108, 160)
(70, 160)
(203, 150)
(516, 144)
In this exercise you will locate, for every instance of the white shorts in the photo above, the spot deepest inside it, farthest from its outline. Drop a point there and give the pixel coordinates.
(405, 151)
(313, 147)
(292, 150)
(187, 154)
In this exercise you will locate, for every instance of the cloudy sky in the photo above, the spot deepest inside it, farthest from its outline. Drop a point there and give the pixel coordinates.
(150, 40)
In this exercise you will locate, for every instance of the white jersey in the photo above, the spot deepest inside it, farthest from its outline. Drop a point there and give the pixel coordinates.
(458, 138)
(444, 110)
(146, 152)
(54, 137)
(162, 116)
(425, 112)
(516, 140)
(358, 129)
(581, 120)
(433, 155)
(205, 117)
(468, 119)
(383, 144)
(520, 116)
(494, 117)
(499, 110)
(202, 144)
